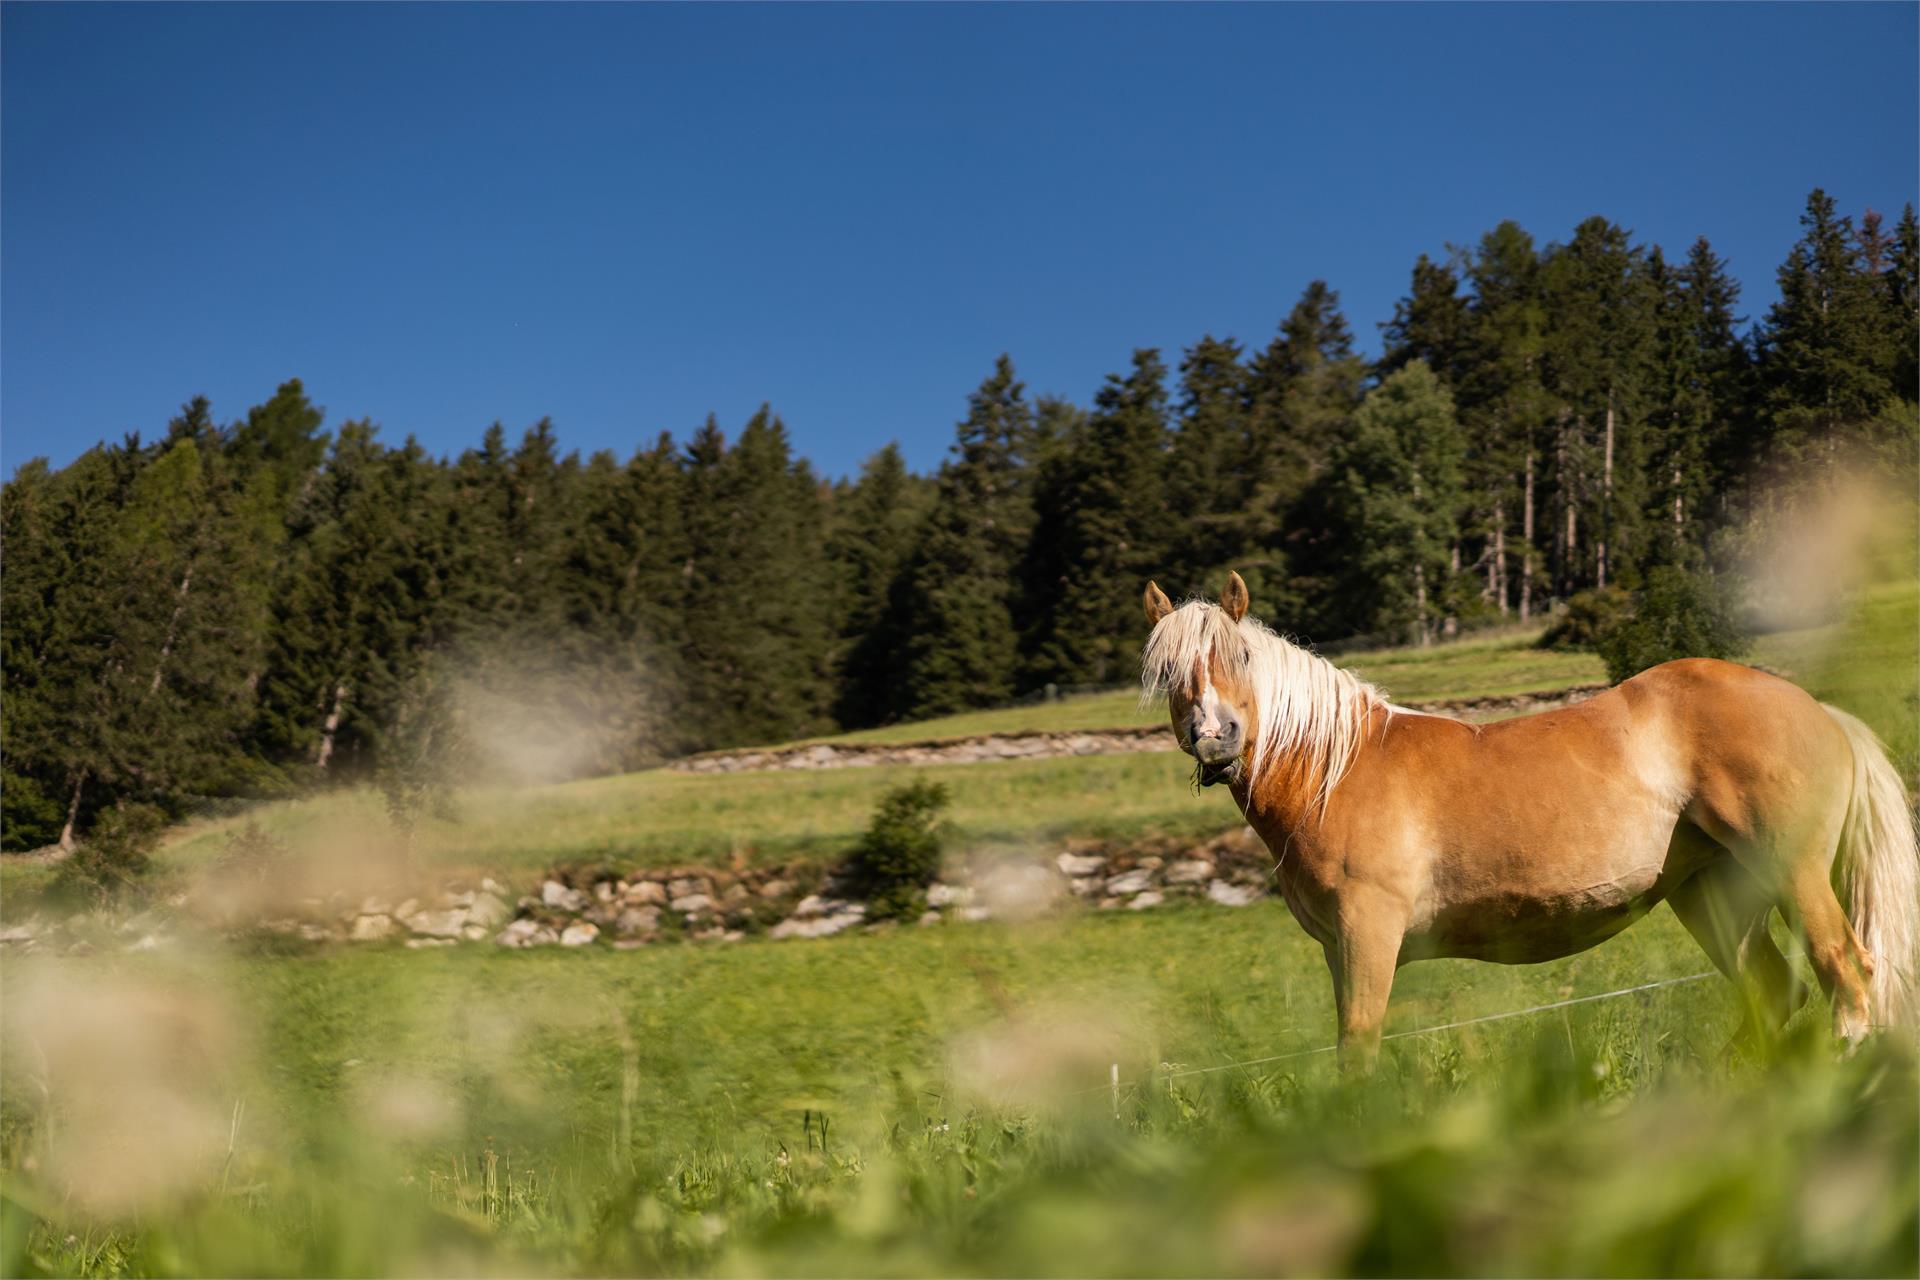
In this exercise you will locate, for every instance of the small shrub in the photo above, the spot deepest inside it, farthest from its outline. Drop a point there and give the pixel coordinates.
(1676, 615)
(1589, 615)
(899, 855)
(112, 864)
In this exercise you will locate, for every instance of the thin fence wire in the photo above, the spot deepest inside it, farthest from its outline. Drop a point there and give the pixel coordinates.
(1115, 1083)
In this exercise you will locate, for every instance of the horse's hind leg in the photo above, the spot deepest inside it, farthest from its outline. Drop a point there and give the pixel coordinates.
(1725, 909)
(1832, 947)
(1793, 855)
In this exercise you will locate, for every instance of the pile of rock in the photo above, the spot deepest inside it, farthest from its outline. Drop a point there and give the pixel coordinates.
(436, 919)
(588, 906)
(575, 908)
(1231, 870)
(1028, 745)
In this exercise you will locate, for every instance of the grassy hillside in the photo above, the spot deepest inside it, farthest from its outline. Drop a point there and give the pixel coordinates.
(1484, 666)
(660, 817)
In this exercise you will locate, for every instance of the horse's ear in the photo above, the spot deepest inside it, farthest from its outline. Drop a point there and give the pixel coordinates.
(1233, 597)
(1158, 606)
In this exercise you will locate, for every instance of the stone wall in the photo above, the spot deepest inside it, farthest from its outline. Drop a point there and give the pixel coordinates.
(587, 906)
(1082, 742)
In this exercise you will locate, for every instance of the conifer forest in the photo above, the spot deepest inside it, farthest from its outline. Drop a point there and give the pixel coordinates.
(239, 607)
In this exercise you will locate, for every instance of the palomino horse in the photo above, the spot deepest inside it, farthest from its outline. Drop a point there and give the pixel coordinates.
(1400, 836)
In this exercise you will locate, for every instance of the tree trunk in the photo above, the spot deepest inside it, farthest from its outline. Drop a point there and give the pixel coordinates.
(173, 631)
(1450, 625)
(1572, 535)
(1606, 494)
(1526, 545)
(73, 812)
(1496, 571)
(1679, 514)
(332, 724)
(1420, 603)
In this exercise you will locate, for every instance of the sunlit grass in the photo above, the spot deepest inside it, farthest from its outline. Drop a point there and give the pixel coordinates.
(664, 817)
(799, 1108)
(1483, 666)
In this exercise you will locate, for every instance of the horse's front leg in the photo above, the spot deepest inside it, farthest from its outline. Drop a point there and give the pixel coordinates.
(1362, 958)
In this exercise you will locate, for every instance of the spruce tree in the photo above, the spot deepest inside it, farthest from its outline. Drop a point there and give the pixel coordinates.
(1398, 490)
(1508, 414)
(1901, 289)
(1103, 525)
(1206, 471)
(756, 644)
(1432, 324)
(959, 647)
(1303, 390)
(1826, 363)
(1599, 359)
(360, 590)
(875, 522)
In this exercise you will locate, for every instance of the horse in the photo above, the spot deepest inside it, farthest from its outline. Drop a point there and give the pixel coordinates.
(1400, 835)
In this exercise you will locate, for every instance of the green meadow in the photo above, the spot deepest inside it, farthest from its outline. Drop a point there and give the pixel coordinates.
(938, 1101)
(931, 1101)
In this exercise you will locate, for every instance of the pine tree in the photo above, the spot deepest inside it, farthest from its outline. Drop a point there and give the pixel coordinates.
(1303, 390)
(957, 608)
(1432, 324)
(1398, 491)
(875, 522)
(135, 677)
(1206, 469)
(283, 435)
(1826, 363)
(1900, 288)
(1699, 434)
(755, 599)
(1599, 357)
(356, 606)
(1103, 525)
(1503, 402)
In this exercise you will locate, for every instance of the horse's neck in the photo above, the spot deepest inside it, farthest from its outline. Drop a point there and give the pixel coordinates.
(1284, 800)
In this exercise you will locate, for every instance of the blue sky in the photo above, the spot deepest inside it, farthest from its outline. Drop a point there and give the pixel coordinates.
(627, 216)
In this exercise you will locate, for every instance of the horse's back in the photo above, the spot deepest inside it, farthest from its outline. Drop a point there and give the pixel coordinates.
(1763, 755)
(1564, 824)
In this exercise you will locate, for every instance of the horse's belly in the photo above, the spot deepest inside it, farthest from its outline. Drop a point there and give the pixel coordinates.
(1541, 921)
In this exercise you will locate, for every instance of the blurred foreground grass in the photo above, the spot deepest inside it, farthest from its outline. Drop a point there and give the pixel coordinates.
(929, 1101)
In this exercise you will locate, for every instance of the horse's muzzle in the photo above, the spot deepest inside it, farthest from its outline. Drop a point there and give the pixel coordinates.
(1230, 772)
(1219, 759)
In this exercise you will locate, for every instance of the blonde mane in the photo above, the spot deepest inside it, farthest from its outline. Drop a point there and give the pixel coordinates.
(1310, 710)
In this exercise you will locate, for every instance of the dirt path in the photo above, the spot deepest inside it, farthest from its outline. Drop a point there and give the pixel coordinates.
(1038, 745)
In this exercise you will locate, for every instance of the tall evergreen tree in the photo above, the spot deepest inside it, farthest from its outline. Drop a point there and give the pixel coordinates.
(1900, 288)
(1398, 491)
(354, 595)
(1599, 357)
(1826, 361)
(875, 523)
(149, 646)
(1103, 524)
(1207, 469)
(1303, 390)
(1507, 411)
(756, 640)
(961, 648)
(283, 435)
(1432, 324)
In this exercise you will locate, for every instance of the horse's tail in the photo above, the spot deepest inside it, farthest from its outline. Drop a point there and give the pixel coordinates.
(1879, 870)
